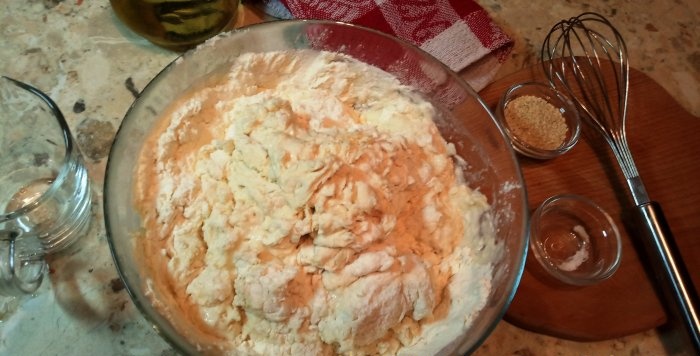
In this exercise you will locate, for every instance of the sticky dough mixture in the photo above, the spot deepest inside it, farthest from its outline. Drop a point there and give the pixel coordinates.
(306, 204)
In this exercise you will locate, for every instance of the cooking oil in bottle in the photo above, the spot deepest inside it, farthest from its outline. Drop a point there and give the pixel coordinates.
(176, 24)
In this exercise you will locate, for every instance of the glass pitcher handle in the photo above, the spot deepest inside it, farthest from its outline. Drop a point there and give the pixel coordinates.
(22, 263)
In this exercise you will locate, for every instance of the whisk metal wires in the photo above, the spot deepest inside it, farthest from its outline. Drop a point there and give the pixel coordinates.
(586, 57)
(578, 54)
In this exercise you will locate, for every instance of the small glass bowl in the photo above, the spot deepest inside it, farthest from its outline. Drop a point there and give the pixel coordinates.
(575, 240)
(561, 102)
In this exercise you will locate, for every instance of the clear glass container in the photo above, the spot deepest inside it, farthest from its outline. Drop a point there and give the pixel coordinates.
(176, 24)
(575, 240)
(559, 101)
(44, 186)
(465, 120)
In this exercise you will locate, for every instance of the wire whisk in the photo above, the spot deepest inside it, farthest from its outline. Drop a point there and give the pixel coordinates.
(578, 56)
(586, 57)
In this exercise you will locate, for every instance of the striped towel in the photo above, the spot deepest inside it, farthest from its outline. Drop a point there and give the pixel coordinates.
(457, 32)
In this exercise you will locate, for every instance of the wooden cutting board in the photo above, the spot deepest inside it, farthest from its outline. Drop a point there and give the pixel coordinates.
(664, 140)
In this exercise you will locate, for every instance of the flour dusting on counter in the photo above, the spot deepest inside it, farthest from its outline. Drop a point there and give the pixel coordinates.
(306, 204)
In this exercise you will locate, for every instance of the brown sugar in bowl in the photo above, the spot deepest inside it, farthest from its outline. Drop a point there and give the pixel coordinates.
(541, 122)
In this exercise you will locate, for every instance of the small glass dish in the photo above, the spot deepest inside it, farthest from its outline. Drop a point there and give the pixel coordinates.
(575, 240)
(540, 121)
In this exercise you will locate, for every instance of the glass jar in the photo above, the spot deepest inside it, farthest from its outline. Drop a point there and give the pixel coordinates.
(45, 195)
(176, 24)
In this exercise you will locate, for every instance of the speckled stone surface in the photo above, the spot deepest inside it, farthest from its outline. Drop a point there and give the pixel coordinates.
(93, 67)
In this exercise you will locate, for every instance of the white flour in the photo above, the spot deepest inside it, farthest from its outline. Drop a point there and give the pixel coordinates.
(307, 204)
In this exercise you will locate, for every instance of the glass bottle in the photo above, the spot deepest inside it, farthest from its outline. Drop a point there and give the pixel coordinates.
(176, 24)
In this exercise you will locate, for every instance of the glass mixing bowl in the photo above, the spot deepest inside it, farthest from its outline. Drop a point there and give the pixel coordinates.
(465, 121)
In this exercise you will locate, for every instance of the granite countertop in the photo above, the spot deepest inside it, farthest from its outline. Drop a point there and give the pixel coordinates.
(93, 67)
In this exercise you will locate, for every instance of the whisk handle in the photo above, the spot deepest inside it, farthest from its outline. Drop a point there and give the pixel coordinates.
(671, 271)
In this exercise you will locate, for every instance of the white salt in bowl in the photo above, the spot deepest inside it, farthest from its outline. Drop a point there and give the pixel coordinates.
(575, 240)
(491, 166)
(527, 134)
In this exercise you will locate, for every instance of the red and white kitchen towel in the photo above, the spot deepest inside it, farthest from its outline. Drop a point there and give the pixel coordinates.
(457, 32)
